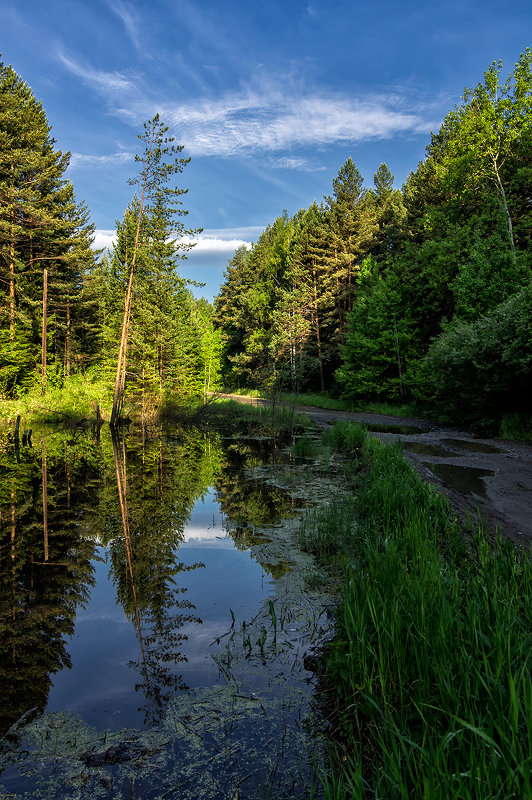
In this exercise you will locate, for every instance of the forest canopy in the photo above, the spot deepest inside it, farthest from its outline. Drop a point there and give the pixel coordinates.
(419, 294)
(62, 303)
(415, 294)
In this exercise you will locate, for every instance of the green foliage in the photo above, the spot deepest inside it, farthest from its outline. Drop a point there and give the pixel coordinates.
(304, 447)
(479, 370)
(516, 426)
(380, 339)
(41, 227)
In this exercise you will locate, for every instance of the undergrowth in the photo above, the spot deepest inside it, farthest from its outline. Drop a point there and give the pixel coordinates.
(71, 398)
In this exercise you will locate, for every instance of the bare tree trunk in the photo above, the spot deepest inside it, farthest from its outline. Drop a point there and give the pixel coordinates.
(398, 355)
(67, 339)
(12, 288)
(12, 270)
(504, 202)
(120, 381)
(44, 329)
(318, 338)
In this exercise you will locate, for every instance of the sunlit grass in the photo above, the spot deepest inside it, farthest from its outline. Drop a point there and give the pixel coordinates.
(429, 678)
(74, 399)
(318, 400)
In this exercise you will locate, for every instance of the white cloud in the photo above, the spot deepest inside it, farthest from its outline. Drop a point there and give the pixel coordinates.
(108, 83)
(103, 239)
(85, 159)
(301, 164)
(289, 163)
(203, 244)
(131, 23)
(214, 240)
(236, 125)
(269, 115)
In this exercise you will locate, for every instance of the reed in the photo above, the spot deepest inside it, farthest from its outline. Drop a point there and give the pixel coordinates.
(428, 679)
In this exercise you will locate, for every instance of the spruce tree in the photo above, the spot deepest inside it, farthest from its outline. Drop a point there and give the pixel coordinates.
(41, 230)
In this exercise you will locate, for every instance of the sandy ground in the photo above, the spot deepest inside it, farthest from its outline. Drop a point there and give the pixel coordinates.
(490, 477)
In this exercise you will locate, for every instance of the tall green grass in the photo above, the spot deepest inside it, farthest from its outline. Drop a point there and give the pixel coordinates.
(72, 399)
(278, 417)
(517, 427)
(429, 678)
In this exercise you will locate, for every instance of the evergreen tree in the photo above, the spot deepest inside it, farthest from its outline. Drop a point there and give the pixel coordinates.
(150, 257)
(42, 233)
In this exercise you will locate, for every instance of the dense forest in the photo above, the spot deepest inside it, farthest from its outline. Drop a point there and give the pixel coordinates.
(62, 304)
(417, 294)
(421, 294)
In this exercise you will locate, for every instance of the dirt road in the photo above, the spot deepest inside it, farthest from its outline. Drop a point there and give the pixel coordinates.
(492, 477)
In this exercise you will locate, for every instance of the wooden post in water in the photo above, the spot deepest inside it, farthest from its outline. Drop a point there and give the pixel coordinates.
(45, 501)
(17, 440)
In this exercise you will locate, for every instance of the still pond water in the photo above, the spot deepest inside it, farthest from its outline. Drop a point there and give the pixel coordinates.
(155, 616)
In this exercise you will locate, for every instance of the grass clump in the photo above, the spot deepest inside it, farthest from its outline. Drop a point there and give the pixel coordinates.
(348, 437)
(327, 532)
(516, 427)
(428, 679)
(277, 417)
(304, 447)
(71, 398)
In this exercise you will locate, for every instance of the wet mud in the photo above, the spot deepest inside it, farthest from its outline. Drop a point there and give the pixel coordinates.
(499, 490)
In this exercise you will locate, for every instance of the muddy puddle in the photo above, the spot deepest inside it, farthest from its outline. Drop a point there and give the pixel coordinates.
(466, 480)
(472, 446)
(165, 576)
(422, 449)
(404, 430)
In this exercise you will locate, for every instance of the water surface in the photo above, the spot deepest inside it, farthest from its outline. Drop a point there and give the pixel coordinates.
(153, 617)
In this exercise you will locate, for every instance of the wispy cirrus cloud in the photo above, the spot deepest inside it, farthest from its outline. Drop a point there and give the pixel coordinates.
(110, 84)
(129, 19)
(266, 115)
(300, 164)
(240, 124)
(89, 160)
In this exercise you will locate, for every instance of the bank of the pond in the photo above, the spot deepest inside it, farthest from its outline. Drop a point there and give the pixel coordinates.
(427, 684)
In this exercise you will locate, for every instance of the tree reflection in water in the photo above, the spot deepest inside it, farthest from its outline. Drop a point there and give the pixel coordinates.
(146, 586)
(45, 569)
(73, 493)
(131, 499)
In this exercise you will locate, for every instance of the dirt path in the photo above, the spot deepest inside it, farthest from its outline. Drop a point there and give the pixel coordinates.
(490, 476)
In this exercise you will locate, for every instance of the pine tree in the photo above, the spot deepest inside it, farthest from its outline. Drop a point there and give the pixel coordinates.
(157, 240)
(41, 227)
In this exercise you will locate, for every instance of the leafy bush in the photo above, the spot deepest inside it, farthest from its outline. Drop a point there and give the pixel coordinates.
(476, 372)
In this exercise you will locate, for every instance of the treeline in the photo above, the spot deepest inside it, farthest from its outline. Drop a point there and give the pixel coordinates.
(421, 294)
(62, 303)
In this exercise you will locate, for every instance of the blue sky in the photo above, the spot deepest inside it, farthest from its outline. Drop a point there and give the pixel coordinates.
(269, 97)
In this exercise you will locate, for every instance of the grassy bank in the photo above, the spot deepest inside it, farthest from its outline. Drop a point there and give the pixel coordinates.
(276, 416)
(333, 404)
(427, 684)
(73, 400)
